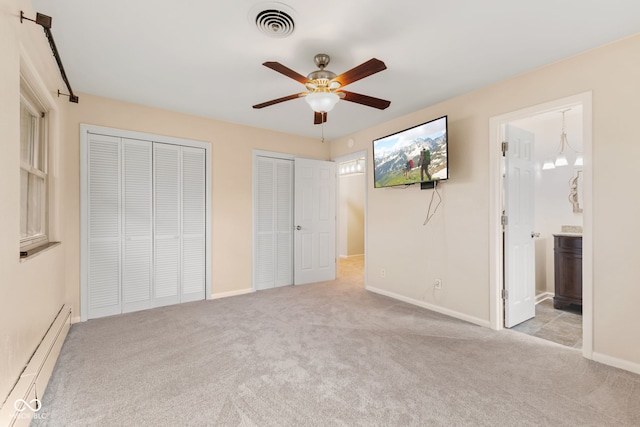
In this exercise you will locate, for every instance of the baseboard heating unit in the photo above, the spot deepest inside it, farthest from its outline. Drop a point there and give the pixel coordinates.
(23, 403)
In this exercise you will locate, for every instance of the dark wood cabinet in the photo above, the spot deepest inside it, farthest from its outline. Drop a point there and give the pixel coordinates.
(568, 270)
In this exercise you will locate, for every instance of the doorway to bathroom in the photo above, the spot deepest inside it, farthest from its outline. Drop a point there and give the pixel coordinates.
(552, 147)
(557, 160)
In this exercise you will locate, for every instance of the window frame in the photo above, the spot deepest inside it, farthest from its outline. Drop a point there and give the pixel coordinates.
(35, 166)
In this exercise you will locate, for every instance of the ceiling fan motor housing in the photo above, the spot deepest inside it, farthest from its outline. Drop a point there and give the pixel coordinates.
(321, 60)
(321, 75)
(321, 78)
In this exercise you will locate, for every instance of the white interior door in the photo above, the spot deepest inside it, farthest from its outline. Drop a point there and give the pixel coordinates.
(315, 219)
(273, 210)
(519, 244)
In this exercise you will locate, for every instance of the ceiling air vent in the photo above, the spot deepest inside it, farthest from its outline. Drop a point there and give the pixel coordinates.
(273, 19)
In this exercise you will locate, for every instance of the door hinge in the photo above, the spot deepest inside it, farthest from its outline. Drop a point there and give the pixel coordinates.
(505, 294)
(504, 220)
(505, 147)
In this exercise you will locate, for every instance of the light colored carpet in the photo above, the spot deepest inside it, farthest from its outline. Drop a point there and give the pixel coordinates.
(327, 354)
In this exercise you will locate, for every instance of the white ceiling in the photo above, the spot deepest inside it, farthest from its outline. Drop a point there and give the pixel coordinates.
(204, 57)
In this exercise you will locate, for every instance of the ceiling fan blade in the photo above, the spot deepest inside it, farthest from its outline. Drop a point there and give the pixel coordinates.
(279, 100)
(319, 118)
(369, 101)
(366, 69)
(276, 66)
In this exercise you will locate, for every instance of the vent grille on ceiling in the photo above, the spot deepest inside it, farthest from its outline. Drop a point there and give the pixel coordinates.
(275, 23)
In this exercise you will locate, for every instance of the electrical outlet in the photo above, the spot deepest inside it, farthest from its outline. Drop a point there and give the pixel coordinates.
(383, 272)
(437, 284)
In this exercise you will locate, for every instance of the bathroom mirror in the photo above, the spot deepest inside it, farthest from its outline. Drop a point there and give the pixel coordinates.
(575, 192)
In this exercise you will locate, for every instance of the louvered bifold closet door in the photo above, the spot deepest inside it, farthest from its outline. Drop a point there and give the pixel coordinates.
(103, 226)
(274, 222)
(167, 203)
(137, 223)
(265, 239)
(284, 223)
(193, 224)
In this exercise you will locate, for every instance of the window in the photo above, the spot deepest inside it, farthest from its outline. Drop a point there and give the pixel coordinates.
(33, 170)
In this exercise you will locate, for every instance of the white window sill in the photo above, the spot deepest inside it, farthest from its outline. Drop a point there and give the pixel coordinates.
(33, 252)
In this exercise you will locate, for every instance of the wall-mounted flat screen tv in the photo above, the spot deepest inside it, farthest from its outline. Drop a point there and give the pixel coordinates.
(417, 154)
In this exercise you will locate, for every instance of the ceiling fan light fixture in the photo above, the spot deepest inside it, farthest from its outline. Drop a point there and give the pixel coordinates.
(548, 164)
(322, 94)
(322, 102)
(561, 160)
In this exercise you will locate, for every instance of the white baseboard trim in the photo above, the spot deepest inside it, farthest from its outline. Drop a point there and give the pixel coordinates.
(616, 363)
(76, 319)
(432, 307)
(231, 293)
(544, 296)
(33, 381)
(351, 256)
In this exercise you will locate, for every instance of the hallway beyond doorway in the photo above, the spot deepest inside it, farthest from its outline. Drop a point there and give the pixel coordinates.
(351, 268)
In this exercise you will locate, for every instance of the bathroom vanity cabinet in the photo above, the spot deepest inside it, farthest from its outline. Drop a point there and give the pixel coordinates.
(568, 269)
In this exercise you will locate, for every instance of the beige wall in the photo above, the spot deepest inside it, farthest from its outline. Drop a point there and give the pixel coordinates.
(31, 292)
(454, 246)
(231, 178)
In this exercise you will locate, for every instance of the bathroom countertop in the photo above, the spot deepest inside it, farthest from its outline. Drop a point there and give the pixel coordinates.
(566, 234)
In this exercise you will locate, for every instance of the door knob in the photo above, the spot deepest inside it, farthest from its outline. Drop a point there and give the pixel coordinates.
(534, 234)
(298, 228)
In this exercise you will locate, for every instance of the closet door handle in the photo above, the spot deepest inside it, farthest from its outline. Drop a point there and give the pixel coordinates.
(298, 228)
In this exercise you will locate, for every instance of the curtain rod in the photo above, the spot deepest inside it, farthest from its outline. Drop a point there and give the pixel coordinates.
(45, 22)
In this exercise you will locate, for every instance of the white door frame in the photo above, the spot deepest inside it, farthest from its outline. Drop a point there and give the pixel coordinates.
(367, 161)
(85, 129)
(496, 181)
(276, 155)
(287, 156)
(338, 160)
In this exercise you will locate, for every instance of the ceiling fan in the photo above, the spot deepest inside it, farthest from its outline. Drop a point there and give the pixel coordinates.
(324, 87)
